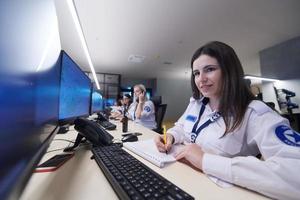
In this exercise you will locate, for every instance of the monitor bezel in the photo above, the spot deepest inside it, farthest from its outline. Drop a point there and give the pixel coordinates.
(20, 184)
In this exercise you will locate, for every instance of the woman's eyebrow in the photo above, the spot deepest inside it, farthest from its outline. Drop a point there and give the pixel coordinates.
(208, 66)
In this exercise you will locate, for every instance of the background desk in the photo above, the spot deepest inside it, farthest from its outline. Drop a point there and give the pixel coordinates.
(81, 178)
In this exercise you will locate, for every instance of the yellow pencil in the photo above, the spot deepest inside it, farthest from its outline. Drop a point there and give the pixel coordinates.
(165, 135)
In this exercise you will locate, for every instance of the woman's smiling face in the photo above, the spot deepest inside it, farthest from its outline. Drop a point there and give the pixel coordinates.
(208, 76)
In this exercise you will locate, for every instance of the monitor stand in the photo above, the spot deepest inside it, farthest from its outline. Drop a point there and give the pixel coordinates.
(63, 129)
(79, 139)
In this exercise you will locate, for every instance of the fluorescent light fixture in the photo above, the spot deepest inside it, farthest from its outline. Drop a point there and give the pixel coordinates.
(260, 78)
(82, 39)
(136, 58)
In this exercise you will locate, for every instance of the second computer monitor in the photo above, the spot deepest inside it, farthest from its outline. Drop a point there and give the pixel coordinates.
(110, 102)
(97, 102)
(75, 91)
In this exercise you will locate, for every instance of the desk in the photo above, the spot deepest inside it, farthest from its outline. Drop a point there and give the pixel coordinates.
(81, 178)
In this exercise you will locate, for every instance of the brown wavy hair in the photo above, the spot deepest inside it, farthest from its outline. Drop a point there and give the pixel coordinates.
(235, 94)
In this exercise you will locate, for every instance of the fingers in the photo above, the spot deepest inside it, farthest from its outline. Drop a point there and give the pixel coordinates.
(168, 147)
(159, 143)
(169, 144)
(161, 146)
(180, 155)
(192, 153)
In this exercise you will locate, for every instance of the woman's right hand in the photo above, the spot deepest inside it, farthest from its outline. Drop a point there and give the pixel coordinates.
(142, 97)
(161, 146)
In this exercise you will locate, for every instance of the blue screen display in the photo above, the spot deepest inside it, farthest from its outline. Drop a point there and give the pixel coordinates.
(110, 102)
(75, 90)
(29, 115)
(97, 102)
(30, 67)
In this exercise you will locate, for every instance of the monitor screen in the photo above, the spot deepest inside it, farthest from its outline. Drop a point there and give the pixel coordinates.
(75, 91)
(97, 103)
(110, 102)
(29, 89)
(29, 121)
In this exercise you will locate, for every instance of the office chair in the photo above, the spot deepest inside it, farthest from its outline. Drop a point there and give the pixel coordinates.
(271, 105)
(159, 116)
(156, 101)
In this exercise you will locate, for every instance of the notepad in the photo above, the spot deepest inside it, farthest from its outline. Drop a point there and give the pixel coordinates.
(148, 150)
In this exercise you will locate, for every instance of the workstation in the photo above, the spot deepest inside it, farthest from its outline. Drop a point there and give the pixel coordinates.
(65, 64)
(81, 177)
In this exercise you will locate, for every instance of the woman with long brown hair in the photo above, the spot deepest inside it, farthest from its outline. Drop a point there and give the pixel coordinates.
(225, 128)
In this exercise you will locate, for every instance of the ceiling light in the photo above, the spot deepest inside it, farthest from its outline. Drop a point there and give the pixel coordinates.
(82, 39)
(136, 58)
(259, 78)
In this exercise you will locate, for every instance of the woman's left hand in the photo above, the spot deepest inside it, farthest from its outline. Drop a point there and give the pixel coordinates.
(193, 153)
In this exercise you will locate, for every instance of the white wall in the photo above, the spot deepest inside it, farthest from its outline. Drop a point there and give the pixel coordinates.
(176, 93)
(148, 83)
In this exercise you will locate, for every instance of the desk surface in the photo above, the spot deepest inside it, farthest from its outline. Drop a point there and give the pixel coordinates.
(81, 178)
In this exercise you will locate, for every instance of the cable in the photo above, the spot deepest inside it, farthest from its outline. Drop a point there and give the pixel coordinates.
(81, 145)
(65, 140)
(55, 150)
(60, 148)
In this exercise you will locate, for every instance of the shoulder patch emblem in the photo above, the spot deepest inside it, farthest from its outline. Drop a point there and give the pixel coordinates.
(147, 109)
(287, 135)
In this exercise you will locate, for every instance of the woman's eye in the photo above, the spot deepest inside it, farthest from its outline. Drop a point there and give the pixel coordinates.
(196, 73)
(209, 69)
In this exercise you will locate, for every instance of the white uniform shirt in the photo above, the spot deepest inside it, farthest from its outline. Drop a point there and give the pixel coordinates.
(116, 109)
(147, 116)
(232, 157)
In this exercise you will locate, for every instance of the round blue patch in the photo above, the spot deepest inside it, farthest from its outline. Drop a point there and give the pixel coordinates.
(287, 135)
(147, 109)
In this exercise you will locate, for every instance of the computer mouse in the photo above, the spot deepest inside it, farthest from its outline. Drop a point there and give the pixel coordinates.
(130, 138)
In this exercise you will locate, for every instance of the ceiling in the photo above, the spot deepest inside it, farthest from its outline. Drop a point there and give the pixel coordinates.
(167, 32)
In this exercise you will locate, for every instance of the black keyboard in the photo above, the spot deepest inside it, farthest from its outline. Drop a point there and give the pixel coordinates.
(107, 125)
(131, 179)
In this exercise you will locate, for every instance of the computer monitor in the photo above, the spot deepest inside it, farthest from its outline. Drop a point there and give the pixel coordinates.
(97, 102)
(75, 91)
(110, 102)
(29, 89)
(29, 121)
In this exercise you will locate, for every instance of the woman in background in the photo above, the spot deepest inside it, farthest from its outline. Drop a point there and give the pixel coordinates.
(117, 109)
(123, 108)
(127, 101)
(142, 110)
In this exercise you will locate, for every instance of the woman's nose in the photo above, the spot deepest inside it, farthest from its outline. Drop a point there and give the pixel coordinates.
(202, 77)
